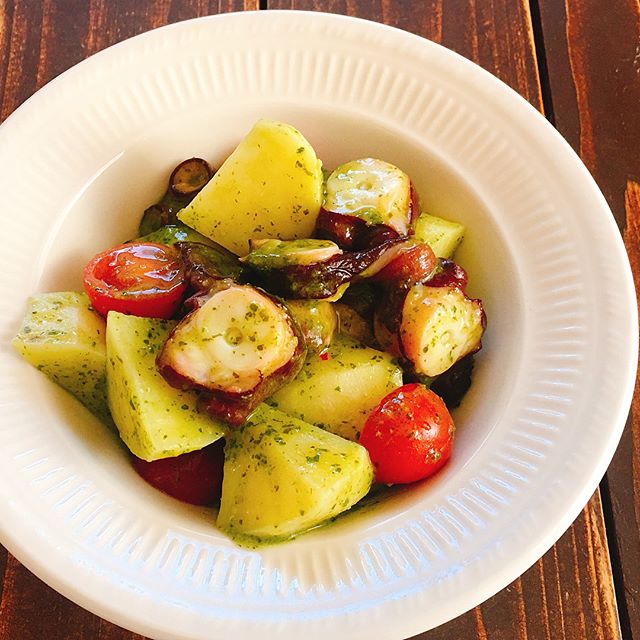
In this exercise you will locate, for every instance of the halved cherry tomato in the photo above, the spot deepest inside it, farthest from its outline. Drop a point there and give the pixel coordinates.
(141, 279)
(409, 435)
(194, 477)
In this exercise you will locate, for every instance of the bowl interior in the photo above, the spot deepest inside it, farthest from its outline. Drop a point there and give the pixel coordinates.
(106, 205)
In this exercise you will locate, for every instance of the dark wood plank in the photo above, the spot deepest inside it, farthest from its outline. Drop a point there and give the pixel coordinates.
(569, 592)
(30, 610)
(593, 60)
(623, 477)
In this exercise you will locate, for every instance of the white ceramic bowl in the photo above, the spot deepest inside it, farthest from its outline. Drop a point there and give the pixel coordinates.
(82, 158)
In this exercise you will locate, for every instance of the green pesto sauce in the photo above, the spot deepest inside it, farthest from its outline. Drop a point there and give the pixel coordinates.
(275, 254)
(379, 494)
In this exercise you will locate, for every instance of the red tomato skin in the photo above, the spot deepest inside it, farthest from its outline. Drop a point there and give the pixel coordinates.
(409, 436)
(123, 279)
(194, 477)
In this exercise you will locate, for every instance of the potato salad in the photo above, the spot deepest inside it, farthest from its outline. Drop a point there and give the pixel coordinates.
(278, 340)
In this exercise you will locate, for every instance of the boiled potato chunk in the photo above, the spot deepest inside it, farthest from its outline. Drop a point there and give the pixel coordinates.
(339, 391)
(443, 236)
(154, 419)
(64, 338)
(269, 187)
(283, 476)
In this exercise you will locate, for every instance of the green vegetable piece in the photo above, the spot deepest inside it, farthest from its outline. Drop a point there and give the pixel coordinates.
(154, 419)
(283, 476)
(162, 213)
(270, 186)
(317, 320)
(185, 181)
(64, 338)
(153, 219)
(443, 236)
(172, 233)
(275, 254)
(338, 393)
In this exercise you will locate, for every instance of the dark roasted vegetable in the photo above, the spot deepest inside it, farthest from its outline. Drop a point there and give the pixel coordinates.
(317, 320)
(323, 280)
(454, 382)
(237, 346)
(350, 232)
(189, 177)
(205, 264)
(449, 274)
(165, 210)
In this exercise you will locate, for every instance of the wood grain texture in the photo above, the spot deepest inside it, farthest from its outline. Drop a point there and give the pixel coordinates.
(593, 61)
(623, 482)
(566, 595)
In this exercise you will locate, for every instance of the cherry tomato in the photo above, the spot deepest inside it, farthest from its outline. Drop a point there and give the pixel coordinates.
(141, 279)
(194, 477)
(409, 435)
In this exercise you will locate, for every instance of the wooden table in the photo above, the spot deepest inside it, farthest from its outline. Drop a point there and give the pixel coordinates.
(578, 61)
